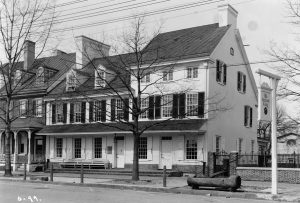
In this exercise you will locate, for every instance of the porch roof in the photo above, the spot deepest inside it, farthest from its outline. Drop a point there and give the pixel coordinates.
(24, 124)
(185, 125)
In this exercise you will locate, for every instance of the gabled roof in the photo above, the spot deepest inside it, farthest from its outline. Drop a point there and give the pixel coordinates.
(186, 43)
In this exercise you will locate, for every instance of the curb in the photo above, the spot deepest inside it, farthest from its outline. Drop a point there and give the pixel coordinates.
(213, 193)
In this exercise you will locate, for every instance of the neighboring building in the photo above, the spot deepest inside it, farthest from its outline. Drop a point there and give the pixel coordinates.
(207, 101)
(209, 105)
(288, 143)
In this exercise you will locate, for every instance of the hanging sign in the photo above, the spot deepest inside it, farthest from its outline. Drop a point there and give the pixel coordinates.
(264, 102)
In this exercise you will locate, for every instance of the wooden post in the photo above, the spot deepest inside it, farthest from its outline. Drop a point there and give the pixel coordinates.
(165, 177)
(81, 174)
(51, 172)
(24, 178)
(204, 167)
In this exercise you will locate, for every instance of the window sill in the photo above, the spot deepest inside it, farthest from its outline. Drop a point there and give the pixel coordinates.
(221, 83)
(241, 92)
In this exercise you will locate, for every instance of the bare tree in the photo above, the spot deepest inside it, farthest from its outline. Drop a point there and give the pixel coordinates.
(20, 21)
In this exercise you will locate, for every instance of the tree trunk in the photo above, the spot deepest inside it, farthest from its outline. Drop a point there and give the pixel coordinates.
(135, 164)
(7, 171)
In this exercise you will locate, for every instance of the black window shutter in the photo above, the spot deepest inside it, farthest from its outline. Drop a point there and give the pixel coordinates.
(157, 106)
(250, 117)
(113, 110)
(82, 112)
(182, 105)
(245, 115)
(65, 113)
(91, 111)
(33, 107)
(244, 83)
(28, 107)
(201, 103)
(126, 109)
(239, 81)
(151, 108)
(53, 113)
(218, 75)
(175, 106)
(103, 110)
(224, 74)
(71, 113)
(134, 104)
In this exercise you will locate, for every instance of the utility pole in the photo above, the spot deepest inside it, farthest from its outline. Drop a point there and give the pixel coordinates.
(274, 82)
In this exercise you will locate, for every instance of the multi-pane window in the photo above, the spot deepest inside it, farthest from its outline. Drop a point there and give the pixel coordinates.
(39, 76)
(221, 72)
(192, 104)
(59, 113)
(119, 109)
(77, 112)
(146, 78)
(99, 78)
(97, 110)
(77, 148)
(167, 104)
(191, 148)
(59, 147)
(218, 144)
(143, 148)
(23, 107)
(38, 107)
(241, 82)
(240, 145)
(98, 147)
(71, 81)
(168, 75)
(144, 107)
(192, 72)
(248, 116)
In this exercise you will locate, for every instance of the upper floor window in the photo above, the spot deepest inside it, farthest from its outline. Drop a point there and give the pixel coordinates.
(100, 77)
(59, 113)
(37, 107)
(145, 78)
(119, 109)
(192, 72)
(77, 112)
(241, 82)
(144, 107)
(168, 75)
(248, 116)
(167, 105)
(221, 72)
(97, 110)
(71, 81)
(192, 104)
(23, 107)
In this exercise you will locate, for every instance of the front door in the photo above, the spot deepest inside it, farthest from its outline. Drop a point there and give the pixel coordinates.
(39, 150)
(120, 152)
(166, 153)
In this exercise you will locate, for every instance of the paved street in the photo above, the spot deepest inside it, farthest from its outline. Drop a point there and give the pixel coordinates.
(32, 192)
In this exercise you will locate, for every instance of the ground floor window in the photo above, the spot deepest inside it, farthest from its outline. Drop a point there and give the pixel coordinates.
(98, 147)
(77, 148)
(191, 147)
(59, 146)
(143, 148)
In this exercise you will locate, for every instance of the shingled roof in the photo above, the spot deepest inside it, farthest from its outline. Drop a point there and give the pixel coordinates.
(186, 43)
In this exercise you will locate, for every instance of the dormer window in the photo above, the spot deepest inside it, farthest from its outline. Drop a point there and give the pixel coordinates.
(39, 76)
(100, 77)
(71, 81)
(17, 77)
(146, 78)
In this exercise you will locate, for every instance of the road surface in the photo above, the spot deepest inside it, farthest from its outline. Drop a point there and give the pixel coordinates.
(11, 192)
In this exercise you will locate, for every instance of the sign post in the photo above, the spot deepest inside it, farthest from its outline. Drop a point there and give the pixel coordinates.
(274, 82)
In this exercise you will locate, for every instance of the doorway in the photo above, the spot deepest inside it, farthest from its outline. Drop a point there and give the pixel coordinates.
(166, 152)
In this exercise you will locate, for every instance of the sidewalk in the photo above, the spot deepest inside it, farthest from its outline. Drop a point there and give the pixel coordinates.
(249, 189)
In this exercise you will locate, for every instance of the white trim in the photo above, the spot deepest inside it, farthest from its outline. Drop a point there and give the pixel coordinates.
(89, 96)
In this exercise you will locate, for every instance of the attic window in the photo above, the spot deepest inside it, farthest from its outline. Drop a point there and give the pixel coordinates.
(231, 51)
(17, 77)
(43, 75)
(100, 76)
(71, 81)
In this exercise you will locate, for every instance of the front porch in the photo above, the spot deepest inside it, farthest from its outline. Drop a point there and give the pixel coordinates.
(26, 148)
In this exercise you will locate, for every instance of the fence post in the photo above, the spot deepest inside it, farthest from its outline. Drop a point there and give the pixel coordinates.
(81, 174)
(24, 178)
(294, 159)
(204, 167)
(233, 162)
(211, 160)
(165, 177)
(51, 172)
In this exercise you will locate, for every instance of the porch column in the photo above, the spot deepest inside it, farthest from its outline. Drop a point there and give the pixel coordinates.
(16, 151)
(29, 149)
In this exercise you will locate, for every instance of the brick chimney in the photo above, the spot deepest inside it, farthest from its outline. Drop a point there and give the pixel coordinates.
(227, 16)
(88, 49)
(29, 54)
